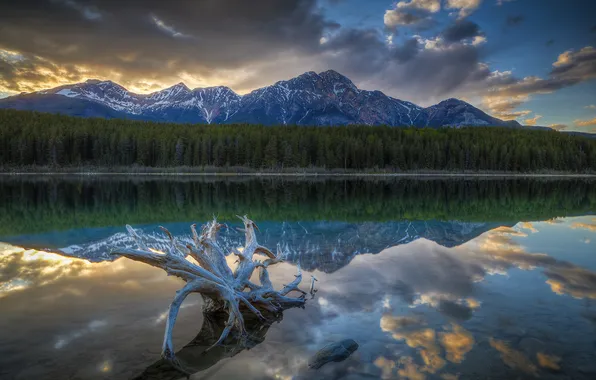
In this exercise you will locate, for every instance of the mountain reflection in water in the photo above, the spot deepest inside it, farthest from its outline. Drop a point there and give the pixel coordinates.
(507, 302)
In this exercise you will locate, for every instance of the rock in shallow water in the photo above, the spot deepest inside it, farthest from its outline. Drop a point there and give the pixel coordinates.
(333, 352)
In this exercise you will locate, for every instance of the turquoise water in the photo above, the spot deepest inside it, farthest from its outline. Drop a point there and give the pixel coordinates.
(454, 286)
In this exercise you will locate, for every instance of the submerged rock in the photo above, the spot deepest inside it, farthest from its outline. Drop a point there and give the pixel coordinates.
(333, 352)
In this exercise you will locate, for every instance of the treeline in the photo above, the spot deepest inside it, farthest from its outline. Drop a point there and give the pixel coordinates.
(50, 203)
(31, 139)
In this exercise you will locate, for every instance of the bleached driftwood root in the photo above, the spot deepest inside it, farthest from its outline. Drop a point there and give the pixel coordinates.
(214, 279)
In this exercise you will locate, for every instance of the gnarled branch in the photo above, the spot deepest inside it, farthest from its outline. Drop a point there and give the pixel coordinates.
(215, 280)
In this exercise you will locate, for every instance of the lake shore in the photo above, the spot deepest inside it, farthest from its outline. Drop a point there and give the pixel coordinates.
(245, 172)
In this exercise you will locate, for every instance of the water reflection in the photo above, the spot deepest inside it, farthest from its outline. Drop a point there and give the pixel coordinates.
(195, 356)
(515, 301)
(48, 203)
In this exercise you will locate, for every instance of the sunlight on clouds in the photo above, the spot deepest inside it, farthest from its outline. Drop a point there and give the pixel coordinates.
(550, 362)
(563, 59)
(513, 358)
(10, 56)
(503, 106)
(478, 40)
(466, 7)
(410, 13)
(386, 367)
(532, 121)
(457, 343)
(572, 67)
(576, 282)
(31, 74)
(410, 370)
(584, 226)
(106, 366)
(472, 303)
(528, 226)
(21, 269)
(454, 340)
(432, 6)
(585, 123)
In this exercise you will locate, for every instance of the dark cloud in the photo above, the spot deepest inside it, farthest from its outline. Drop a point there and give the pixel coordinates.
(455, 310)
(407, 51)
(413, 66)
(143, 38)
(515, 20)
(150, 44)
(571, 68)
(550, 42)
(461, 30)
(231, 42)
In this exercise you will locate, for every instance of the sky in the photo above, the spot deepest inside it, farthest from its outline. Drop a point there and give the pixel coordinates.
(529, 60)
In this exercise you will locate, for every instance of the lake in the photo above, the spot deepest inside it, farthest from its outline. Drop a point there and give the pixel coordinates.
(434, 278)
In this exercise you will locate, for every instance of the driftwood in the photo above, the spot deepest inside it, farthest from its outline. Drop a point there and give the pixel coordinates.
(211, 276)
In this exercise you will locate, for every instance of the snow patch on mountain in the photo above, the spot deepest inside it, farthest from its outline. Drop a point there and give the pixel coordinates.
(326, 98)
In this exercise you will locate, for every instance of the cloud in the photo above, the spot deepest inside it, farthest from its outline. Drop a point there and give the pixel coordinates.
(88, 12)
(529, 226)
(514, 358)
(585, 226)
(412, 13)
(167, 28)
(532, 121)
(574, 281)
(550, 42)
(466, 7)
(22, 269)
(394, 18)
(133, 40)
(454, 340)
(558, 127)
(462, 30)
(432, 6)
(571, 68)
(515, 20)
(504, 106)
(591, 106)
(585, 123)
(549, 362)
(145, 45)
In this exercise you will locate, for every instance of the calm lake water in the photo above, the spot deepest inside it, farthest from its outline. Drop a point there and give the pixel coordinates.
(433, 278)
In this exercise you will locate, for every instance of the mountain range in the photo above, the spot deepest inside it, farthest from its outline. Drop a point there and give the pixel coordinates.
(323, 99)
(325, 246)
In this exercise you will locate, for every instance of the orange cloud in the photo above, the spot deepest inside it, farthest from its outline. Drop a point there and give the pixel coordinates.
(532, 121)
(585, 123)
(513, 358)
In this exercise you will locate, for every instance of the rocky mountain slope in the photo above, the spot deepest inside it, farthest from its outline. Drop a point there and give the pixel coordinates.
(327, 98)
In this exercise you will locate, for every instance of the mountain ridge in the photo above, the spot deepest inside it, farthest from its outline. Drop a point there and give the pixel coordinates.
(324, 99)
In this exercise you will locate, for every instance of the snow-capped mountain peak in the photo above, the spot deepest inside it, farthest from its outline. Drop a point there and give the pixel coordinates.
(170, 92)
(326, 98)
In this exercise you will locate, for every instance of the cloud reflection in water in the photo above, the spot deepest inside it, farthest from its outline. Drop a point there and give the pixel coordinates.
(417, 310)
